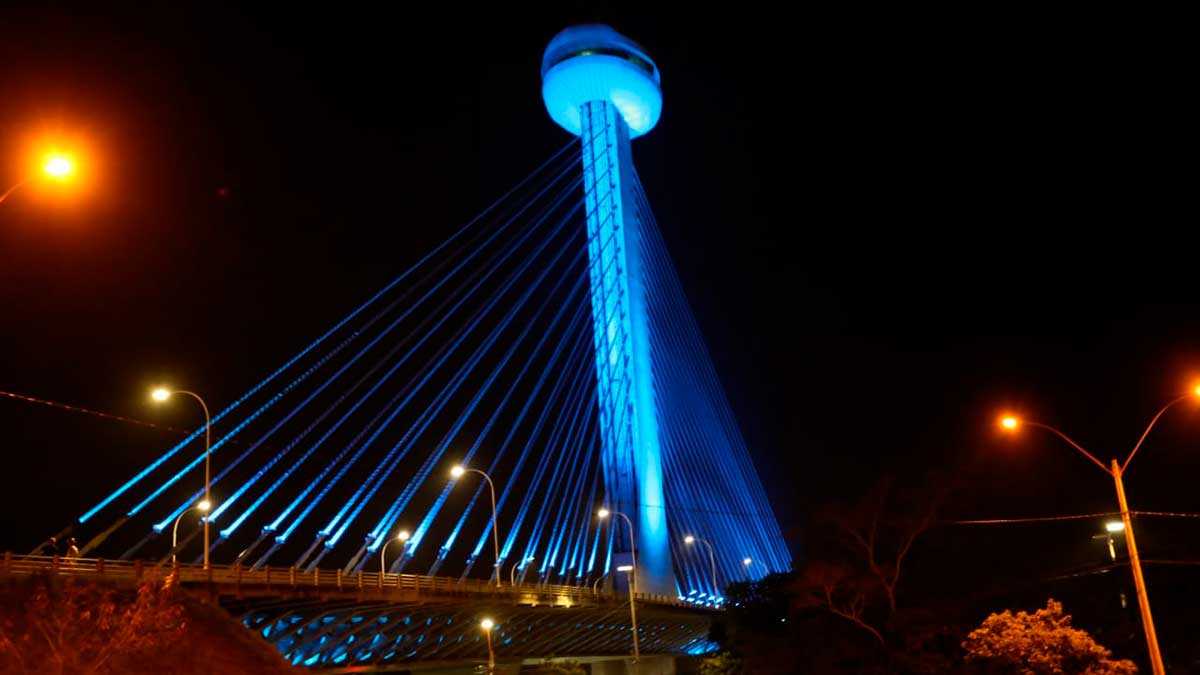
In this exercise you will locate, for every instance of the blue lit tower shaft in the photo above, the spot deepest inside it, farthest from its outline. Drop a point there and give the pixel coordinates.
(628, 419)
(603, 87)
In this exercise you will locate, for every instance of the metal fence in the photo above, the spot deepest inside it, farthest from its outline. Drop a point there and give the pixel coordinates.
(292, 578)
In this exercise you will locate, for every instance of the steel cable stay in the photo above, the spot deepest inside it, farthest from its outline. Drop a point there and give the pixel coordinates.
(569, 149)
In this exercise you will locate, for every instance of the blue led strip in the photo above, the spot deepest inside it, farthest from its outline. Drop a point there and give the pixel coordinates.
(571, 331)
(573, 364)
(668, 394)
(572, 486)
(571, 300)
(349, 317)
(586, 519)
(558, 492)
(448, 392)
(682, 321)
(716, 496)
(423, 330)
(591, 558)
(773, 551)
(322, 361)
(559, 443)
(427, 467)
(574, 528)
(576, 391)
(503, 257)
(721, 406)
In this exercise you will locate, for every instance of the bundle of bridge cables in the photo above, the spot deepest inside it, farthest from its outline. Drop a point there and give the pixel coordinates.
(480, 354)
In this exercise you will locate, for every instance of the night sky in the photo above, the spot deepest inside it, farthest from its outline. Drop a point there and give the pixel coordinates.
(889, 227)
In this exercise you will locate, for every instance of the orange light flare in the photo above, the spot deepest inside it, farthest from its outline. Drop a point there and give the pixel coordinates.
(1196, 390)
(58, 169)
(1009, 422)
(58, 166)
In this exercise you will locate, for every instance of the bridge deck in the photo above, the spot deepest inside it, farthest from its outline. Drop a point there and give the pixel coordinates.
(275, 581)
(326, 619)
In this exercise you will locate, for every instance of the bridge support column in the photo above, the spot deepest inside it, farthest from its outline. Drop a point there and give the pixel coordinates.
(631, 455)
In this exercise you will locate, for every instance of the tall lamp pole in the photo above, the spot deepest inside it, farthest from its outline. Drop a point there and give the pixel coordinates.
(487, 625)
(632, 570)
(202, 507)
(457, 472)
(162, 394)
(712, 558)
(401, 537)
(1116, 470)
(512, 575)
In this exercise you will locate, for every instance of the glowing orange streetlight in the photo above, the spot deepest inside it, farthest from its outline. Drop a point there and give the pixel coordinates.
(1116, 470)
(56, 166)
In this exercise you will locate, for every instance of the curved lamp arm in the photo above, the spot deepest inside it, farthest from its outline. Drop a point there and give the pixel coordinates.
(1148, 428)
(1072, 443)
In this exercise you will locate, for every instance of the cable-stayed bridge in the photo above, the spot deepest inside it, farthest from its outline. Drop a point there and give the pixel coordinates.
(548, 343)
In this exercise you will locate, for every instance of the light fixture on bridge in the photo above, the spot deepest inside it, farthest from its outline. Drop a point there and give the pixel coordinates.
(689, 539)
(747, 561)
(457, 471)
(1114, 526)
(204, 505)
(1009, 422)
(402, 536)
(625, 568)
(160, 395)
(602, 513)
(487, 625)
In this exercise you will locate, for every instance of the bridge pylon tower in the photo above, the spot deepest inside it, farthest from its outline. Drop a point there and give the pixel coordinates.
(604, 88)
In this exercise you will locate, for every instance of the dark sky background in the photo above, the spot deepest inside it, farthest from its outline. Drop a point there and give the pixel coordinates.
(889, 226)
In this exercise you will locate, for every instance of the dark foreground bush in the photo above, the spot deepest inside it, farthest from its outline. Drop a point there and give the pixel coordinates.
(51, 625)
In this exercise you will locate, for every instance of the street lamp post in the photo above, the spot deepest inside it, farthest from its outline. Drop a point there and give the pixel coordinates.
(457, 472)
(202, 507)
(596, 584)
(162, 394)
(632, 570)
(1116, 470)
(402, 537)
(712, 558)
(487, 625)
(512, 575)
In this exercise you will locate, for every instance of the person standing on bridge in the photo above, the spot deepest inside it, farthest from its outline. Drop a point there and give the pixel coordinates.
(50, 547)
(72, 548)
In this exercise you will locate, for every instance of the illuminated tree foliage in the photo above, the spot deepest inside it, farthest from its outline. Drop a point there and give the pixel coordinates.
(77, 627)
(1040, 642)
(63, 625)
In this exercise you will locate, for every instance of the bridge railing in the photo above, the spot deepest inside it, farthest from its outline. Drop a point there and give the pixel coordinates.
(292, 577)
